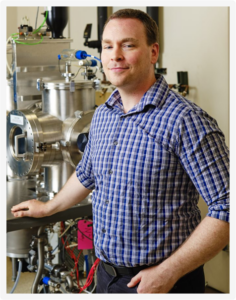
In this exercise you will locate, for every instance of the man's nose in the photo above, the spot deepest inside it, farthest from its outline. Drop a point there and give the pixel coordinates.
(117, 54)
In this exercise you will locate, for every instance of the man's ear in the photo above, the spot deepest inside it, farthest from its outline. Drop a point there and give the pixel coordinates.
(155, 53)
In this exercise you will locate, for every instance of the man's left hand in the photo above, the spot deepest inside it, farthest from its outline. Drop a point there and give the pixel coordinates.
(154, 279)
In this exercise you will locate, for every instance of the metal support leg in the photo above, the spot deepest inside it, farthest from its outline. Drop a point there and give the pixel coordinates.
(14, 271)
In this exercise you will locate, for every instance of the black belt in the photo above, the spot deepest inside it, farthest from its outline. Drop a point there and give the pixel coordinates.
(114, 270)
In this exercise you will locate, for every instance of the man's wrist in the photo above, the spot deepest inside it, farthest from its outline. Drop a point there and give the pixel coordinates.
(48, 208)
(172, 269)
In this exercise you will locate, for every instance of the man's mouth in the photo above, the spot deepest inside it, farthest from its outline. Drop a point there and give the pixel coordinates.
(118, 69)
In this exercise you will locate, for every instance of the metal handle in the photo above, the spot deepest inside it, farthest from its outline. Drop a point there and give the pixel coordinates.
(17, 137)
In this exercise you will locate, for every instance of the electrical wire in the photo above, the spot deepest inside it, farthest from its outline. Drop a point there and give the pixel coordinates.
(90, 275)
(89, 55)
(76, 73)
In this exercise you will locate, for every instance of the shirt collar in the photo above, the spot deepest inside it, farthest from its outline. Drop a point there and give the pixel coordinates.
(155, 96)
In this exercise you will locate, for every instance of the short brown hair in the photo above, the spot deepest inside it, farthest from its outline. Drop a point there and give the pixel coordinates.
(148, 23)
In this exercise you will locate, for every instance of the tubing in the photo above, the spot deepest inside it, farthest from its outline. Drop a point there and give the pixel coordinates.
(69, 282)
(18, 277)
(37, 30)
(8, 67)
(40, 261)
(94, 57)
(14, 35)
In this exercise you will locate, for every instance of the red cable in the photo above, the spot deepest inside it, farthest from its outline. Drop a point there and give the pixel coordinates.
(90, 275)
(76, 260)
(72, 255)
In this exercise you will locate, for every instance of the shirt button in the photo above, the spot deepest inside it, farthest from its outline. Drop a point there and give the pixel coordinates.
(110, 172)
(115, 143)
(103, 230)
(107, 201)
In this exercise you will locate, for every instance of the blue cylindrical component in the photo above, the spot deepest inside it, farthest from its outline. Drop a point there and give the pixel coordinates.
(81, 54)
(68, 55)
(93, 63)
(46, 280)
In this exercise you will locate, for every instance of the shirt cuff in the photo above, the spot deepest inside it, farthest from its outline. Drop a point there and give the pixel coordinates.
(220, 212)
(86, 181)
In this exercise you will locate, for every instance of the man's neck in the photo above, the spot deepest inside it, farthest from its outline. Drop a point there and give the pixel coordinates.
(131, 97)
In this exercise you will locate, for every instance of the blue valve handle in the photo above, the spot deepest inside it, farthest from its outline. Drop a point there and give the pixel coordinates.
(46, 280)
(81, 54)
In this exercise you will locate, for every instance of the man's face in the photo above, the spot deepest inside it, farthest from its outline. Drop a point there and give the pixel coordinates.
(127, 59)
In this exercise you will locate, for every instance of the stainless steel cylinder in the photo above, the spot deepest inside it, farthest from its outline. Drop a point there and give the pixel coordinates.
(62, 99)
(56, 176)
(28, 133)
(18, 242)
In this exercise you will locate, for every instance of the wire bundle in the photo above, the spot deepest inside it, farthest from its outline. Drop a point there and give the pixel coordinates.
(72, 255)
(90, 275)
(76, 261)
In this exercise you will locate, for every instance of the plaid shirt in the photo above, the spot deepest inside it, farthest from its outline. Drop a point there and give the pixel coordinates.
(147, 168)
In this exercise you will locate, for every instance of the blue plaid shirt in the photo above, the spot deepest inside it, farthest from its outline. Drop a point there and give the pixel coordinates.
(147, 168)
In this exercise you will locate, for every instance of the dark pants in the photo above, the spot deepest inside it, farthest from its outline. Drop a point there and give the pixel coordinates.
(193, 282)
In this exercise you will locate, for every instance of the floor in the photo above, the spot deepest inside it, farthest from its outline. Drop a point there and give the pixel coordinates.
(27, 278)
(25, 282)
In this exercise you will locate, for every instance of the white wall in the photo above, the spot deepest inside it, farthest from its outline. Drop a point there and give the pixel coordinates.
(192, 39)
(196, 40)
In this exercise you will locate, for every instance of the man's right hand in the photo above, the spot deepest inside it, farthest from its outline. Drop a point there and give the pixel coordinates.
(31, 208)
(72, 193)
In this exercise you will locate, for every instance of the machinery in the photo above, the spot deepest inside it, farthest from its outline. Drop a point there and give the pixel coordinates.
(48, 120)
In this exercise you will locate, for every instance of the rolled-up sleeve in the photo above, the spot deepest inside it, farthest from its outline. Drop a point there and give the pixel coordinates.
(84, 170)
(205, 157)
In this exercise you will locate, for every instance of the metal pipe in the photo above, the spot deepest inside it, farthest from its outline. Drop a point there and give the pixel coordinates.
(101, 18)
(40, 260)
(154, 13)
(69, 282)
(13, 269)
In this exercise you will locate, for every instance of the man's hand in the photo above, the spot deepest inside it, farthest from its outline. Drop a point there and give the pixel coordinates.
(72, 193)
(208, 239)
(153, 280)
(30, 208)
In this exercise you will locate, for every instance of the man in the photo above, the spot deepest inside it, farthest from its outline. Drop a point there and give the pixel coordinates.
(149, 154)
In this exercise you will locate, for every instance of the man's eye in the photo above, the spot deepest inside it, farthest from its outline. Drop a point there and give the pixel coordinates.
(107, 47)
(128, 45)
